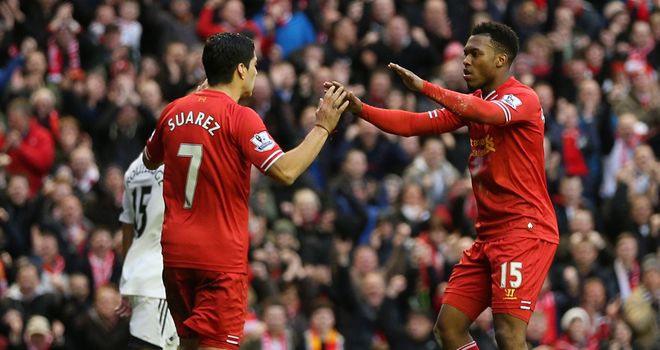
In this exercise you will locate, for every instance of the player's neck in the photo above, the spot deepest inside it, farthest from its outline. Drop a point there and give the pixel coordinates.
(234, 92)
(494, 84)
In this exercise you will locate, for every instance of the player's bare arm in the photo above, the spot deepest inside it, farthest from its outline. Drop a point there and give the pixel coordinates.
(151, 165)
(126, 238)
(295, 162)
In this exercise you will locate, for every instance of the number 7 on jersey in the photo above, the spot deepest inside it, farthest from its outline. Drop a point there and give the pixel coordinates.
(194, 152)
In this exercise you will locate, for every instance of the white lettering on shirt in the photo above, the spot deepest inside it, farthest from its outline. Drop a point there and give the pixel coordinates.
(184, 118)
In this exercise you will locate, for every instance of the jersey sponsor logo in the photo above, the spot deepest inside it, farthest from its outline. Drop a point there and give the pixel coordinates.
(483, 146)
(262, 142)
(512, 101)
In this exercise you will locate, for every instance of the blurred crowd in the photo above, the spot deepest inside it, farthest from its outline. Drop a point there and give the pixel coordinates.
(357, 253)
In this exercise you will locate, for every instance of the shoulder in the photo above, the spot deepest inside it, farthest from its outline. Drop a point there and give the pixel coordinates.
(519, 94)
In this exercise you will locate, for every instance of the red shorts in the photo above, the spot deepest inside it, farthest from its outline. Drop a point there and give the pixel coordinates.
(207, 305)
(514, 268)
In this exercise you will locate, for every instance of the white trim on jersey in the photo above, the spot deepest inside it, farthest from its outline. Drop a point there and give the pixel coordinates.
(502, 105)
(278, 154)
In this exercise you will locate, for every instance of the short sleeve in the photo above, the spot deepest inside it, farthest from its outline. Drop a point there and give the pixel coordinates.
(520, 107)
(256, 144)
(154, 150)
(127, 215)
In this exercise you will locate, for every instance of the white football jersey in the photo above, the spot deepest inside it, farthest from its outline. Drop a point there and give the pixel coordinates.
(143, 207)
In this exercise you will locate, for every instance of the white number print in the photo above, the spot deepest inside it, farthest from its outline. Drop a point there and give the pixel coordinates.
(194, 152)
(511, 272)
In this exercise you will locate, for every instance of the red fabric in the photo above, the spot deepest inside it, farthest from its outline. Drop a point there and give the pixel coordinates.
(476, 282)
(212, 234)
(634, 276)
(507, 160)
(565, 343)
(206, 27)
(207, 305)
(56, 68)
(33, 157)
(101, 268)
(547, 305)
(574, 163)
(409, 123)
(642, 8)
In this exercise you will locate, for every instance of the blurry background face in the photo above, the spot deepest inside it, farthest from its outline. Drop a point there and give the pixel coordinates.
(365, 260)
(373, 289)
(28, 279)
(323, 319)
(233, 13)
(419, 326)
(584, 253)
(18, 119)
(18, 190)
(275, 318)
(307, 204)
(577, 330)
(106, 301)
(626, 249)
(355, 164)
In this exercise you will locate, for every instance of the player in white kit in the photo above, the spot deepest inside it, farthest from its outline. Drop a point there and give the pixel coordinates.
(141, 285)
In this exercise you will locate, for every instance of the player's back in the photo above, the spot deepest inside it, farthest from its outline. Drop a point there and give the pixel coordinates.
(143, 207)
(206, 141)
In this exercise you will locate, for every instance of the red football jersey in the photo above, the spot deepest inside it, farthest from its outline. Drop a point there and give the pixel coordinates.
(507, 164)
(208, 143)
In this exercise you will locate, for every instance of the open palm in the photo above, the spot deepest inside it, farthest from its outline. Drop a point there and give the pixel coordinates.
(410, 79)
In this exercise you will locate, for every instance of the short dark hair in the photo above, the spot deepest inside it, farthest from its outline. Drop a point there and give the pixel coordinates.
(502, 36)
(222, 53)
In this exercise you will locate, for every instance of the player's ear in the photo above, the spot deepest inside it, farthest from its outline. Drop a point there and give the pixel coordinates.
(242, 70)
(501, 59)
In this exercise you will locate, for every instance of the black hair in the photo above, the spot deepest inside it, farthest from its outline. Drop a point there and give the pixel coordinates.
(222, 53)
(502, 36)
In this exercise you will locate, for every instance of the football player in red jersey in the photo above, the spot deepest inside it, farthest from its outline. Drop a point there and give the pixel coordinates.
(208, 143)
(516, 226)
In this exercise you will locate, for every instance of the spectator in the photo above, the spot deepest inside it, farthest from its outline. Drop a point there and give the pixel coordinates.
(232, 19)
(575, 324)
(101, 265)
(29, 145)
(286, 29)
(130, 29)
(322, 333)
(638, 309)
(626, 265)
(17, 215)
(276, 334)
(100, 328)
(433, 171)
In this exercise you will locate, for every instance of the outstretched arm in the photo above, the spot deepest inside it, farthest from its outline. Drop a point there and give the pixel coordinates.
(406, 123)
(468, 107)
(400, 122)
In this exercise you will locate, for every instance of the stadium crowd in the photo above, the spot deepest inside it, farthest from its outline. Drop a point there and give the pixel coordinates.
(359, 250)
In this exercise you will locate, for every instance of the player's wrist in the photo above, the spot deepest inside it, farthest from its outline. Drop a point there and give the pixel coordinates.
(320, 126)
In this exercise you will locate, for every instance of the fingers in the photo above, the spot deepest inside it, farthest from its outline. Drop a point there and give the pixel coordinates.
(337, 93)
(329, 92)
(343, 106)
(341, 98)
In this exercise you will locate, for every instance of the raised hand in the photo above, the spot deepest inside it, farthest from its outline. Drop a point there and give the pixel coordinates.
(354, 103)
(410, 79)
(331, 106)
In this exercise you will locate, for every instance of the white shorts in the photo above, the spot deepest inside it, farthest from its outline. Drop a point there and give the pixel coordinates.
(151, 321)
